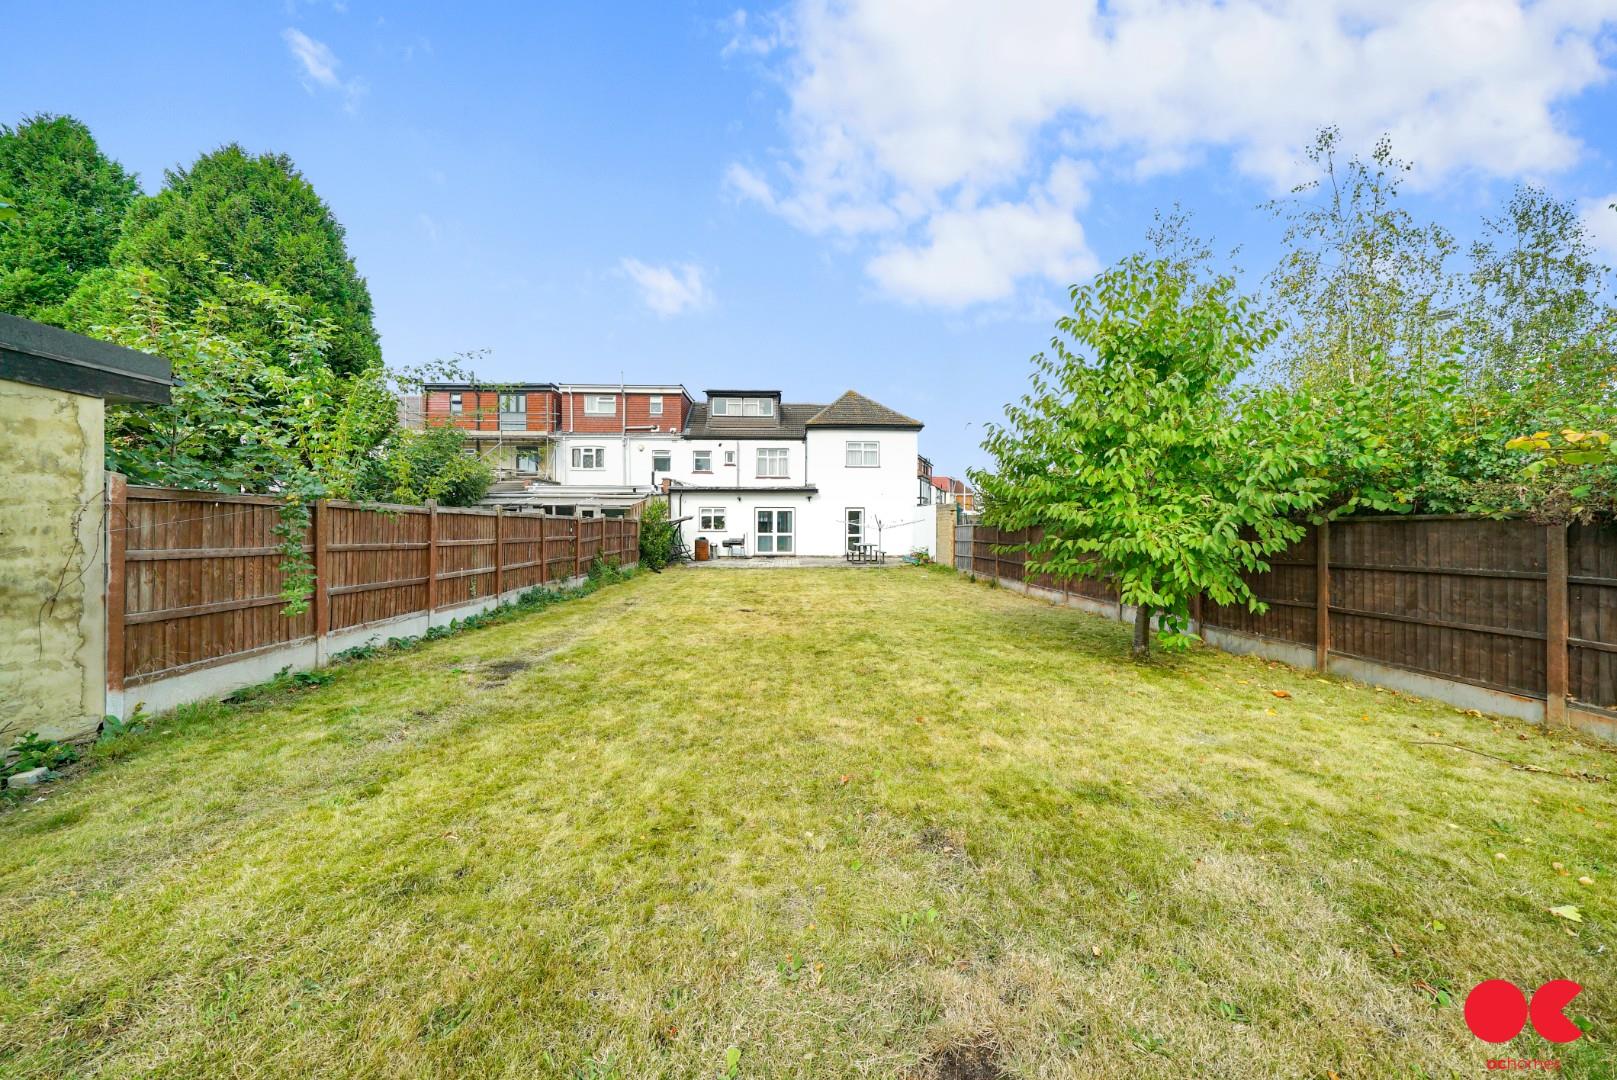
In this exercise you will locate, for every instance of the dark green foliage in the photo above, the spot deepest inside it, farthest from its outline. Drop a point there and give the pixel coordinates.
(414, 466)
(32, 752)
(255, 218)
(656, 535)
(69, 201)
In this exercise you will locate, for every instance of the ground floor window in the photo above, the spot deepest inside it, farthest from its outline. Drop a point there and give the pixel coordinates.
(711, 519)
(775, 530)
(855, 517)
(527, 459)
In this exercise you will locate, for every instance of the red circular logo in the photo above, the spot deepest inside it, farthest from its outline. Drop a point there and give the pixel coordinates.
(1495, 1011)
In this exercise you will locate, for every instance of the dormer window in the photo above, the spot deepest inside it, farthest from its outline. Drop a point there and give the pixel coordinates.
(737, 406)
(600, 405)
(455, 405)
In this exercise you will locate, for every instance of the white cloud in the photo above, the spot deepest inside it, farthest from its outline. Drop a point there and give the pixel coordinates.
(320, 66)
(669, 290)
(915, 118)
(980, 253)
(1600, 218)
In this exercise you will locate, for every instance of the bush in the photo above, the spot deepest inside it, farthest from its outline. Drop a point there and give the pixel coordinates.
(656, 535)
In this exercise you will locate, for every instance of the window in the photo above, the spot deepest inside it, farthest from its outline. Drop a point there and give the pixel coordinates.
(735, 406)
(864, 455)
(774, 535)
(589, 457)
(527, 459)
(711, 519)
(702, 461)
(661, 460)
(600, 405)
(772, 462)
(730, 458)
(654, 405)
(855, 517)
(510, 403)
(455, 406)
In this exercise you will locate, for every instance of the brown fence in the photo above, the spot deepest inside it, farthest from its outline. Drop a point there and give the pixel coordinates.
(194, 577)
(1526, 609)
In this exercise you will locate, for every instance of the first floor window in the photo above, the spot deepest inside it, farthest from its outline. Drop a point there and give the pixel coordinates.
(864, 455)
(729, 457)
(712, 519)
(654, 405)
(702, 460)
(589, 457)
(661, 460)
(772, 461)
(456, 405)
(600, 405)
(513, 403)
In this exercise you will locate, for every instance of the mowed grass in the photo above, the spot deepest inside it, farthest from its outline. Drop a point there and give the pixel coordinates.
(852, 822)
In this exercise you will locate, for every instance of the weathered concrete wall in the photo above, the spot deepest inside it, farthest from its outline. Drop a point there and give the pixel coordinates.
(52, 563)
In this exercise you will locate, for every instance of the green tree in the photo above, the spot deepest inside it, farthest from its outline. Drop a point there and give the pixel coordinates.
(68, 201)
(1139, 461)
(1359, 276)
(414, 466)
(254, 218)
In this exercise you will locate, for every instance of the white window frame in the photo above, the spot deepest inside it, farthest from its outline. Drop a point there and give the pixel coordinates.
(457, 405)
(736, 406)
(711, 519)
(854, 533)
(654, 405)
(697, 457)
(584, 453)
(668, 461)
(600, 405)
(863, 454)
(783, 454)
(775, 537)
(730, 458)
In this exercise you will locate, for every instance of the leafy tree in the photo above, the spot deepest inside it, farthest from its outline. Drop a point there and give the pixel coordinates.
(1359, 275)
(414, 466)
(254, 218)
(67, 201)
(1140, 461)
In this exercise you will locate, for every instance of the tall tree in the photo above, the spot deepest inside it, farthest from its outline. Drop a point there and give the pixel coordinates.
(1359, 275)
(255, 218)
(1542, 327)
(1137, 459)
(69, 201)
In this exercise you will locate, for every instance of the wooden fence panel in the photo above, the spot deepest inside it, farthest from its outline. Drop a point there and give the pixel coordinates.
(1288, 588)
(1592, 604)
(195, 577)
(378, 563)
(465, 556)
(201, 579)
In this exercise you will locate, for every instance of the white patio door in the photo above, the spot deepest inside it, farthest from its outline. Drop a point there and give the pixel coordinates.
(774, 534)
(855, 517)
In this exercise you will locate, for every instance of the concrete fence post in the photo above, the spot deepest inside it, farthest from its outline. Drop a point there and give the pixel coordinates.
(1322, 596)
(1556, 626)
(117, 546)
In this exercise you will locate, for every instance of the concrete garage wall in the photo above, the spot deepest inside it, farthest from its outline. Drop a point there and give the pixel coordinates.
(52, 562)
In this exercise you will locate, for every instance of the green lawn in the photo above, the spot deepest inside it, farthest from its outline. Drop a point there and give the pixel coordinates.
(852, 822)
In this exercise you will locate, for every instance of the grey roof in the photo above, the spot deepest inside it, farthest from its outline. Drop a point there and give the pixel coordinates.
(787, 424)
(853, 409)
(41, 355)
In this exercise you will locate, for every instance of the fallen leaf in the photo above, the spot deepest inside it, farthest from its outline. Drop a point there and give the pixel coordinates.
(1500, 855)
(1569, 912)
(1558, 866)
(1094, 950)
(1396, 951)
(1586, 880)
(1281, 693)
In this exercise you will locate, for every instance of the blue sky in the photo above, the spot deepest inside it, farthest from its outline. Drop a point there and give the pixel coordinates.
(890, 196)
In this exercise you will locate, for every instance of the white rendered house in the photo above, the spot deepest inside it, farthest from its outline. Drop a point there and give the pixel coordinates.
(756, 476)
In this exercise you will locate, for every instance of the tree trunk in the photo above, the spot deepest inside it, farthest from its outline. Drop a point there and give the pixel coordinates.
(1142, 632)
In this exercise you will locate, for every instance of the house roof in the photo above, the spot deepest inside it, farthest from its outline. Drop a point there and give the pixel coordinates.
(788, 423)
(853, 409)
(32, 352)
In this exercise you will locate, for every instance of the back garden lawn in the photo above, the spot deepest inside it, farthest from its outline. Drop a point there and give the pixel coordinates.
(848, 822)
